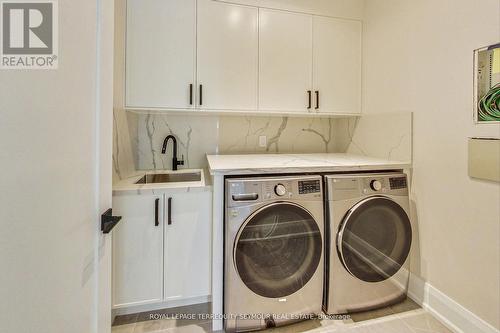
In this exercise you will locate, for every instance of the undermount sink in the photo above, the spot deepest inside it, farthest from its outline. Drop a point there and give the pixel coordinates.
(170, 178)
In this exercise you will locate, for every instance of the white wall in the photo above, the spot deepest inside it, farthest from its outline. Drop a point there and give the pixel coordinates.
(48, 200)
(418, 57)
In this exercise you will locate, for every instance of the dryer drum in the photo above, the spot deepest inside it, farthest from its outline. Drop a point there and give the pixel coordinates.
(278, 250)
(374, 239)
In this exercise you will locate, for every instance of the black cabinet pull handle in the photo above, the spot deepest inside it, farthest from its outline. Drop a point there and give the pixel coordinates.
(169, 213)
(191, 94)
(309, 96)
(317, 99)
(157, 205)
(201, 94)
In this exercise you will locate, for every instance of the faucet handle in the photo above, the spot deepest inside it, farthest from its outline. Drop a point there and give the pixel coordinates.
(181, 162)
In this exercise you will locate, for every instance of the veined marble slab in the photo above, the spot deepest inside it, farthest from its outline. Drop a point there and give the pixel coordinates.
(285, 163)
(139, 138)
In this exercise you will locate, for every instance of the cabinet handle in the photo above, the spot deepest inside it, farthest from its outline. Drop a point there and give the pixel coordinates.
(201, 94)
(317, 99)
(157, 204)
(309, 97)
(191, 94)
(169, 212)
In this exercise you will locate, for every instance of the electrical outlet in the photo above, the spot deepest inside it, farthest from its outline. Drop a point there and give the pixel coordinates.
(262, 141)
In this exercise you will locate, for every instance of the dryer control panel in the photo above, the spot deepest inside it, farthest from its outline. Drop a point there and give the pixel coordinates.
(342, 187)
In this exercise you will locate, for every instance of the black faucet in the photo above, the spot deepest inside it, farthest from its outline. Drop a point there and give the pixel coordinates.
(175, 162)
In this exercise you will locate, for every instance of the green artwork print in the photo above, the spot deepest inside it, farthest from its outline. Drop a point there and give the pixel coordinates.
(487, 84)
(489, 105)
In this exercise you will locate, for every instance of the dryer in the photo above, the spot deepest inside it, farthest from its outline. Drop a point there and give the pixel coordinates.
(273, 260)
(370, 236)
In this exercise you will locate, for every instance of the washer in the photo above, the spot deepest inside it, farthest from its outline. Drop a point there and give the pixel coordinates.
(369, 243)
(273, 251)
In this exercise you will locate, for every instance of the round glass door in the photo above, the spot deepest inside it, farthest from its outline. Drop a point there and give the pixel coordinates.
(278, 250)
(374, 239)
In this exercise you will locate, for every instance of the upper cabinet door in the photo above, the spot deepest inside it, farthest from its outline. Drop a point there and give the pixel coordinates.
(285, 74)
(337, 65)
(227, 56)
(161, 51)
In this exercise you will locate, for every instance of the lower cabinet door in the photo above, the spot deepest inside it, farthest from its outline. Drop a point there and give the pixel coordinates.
(188, 245)
(138, 250)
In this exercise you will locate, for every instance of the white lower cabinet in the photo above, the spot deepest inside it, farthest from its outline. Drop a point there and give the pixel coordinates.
(161, 248)
(188, 246)
(138, 250)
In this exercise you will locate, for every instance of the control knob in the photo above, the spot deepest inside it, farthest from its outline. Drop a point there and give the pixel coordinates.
(280, 190)
(376, 185)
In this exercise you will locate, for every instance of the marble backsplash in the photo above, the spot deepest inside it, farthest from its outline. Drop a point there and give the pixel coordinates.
(138, 138)
(384, 135)
(201, 135)
(284, 135)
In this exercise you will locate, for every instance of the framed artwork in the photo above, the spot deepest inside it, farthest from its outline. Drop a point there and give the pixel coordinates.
(487, 84)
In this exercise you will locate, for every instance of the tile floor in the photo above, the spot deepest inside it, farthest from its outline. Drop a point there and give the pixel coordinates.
(406, 305)
(406, 317)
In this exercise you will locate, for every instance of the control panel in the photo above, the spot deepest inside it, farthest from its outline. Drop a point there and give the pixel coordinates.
(341, 187)
(254, 190)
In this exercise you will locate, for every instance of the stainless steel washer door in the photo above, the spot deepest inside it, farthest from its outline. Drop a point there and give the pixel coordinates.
(278, 249)
(374, 239)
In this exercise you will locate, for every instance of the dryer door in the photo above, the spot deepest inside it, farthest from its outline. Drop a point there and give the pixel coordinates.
(374, 239)
(278, 250)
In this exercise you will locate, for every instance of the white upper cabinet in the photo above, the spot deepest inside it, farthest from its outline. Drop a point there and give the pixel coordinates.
(285, 73)
(227, 48)
(337, 65)
(160, 53)
(213, 55)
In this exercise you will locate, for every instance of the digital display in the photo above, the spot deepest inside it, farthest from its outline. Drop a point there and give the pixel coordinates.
(398, 183)
(309, 186)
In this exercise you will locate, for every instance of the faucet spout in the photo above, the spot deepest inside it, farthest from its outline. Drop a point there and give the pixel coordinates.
(175, 162)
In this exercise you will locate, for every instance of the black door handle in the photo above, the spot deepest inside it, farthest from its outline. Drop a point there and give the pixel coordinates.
(191, 94)
(169, 213)
(317, 99)
(108, 221)
(157, 204)
(309, 97)
(201, 94)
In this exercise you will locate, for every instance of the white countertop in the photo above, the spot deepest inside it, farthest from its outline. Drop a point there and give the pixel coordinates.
(285, 163)
(128, 185)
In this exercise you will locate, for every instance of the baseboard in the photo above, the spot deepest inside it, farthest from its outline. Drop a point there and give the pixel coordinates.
(161, 305)
(454, 315)
(450, 313)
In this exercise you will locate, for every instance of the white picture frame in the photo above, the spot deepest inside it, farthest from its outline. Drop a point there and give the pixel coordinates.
(484, 79)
